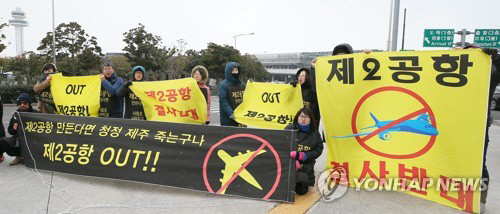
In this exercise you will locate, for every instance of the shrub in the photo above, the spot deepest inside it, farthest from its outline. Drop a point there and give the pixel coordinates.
(10, 93)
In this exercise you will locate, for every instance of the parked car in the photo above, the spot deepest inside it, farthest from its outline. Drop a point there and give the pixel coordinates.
(495, 101)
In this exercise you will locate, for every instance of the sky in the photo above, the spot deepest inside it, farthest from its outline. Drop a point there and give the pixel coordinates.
(278, 26)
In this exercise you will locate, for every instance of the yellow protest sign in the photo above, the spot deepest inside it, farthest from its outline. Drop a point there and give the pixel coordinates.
(267, 105)
(178, 100)
(408, 121)
(76, 96)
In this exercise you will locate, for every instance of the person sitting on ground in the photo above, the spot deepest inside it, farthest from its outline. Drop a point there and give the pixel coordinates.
(10, 145)
(309, 148)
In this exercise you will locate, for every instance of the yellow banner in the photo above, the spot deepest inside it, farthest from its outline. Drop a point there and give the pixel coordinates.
(172, 101)
(408, 121)
(76, 96)
(267, 105)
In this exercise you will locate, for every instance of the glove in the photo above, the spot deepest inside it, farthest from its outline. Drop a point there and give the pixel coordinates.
(297, 165)
(293, 83)
(490, 51)
(128, 83)
(298, 155)
(231, 116)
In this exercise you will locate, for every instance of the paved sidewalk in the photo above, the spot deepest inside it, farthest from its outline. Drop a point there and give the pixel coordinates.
(24, 191)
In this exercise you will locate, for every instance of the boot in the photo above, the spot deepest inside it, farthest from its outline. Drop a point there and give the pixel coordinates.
(16, 161)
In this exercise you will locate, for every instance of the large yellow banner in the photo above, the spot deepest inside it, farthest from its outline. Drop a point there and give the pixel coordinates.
(178, 100)
(76, 96)
(408, 121)
(267, 105)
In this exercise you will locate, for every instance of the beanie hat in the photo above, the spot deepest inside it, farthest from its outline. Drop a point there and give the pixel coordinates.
(23, 97)
(48, 66)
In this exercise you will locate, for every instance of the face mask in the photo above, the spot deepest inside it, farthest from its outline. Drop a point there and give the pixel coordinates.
(235, 76)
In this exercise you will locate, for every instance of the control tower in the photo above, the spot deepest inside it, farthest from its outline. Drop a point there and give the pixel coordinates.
(19, 23)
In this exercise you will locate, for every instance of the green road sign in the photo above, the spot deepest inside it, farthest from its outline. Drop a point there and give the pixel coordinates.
(438, 37)
(487, 38)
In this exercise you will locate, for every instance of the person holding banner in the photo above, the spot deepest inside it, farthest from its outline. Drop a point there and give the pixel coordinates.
(309, 97)
(2, 129)
(494, 80)
(10, 145)
(200, 74)
(133, 104)
(42, 88)
(230, 94)
(310, 147)
(110, 85)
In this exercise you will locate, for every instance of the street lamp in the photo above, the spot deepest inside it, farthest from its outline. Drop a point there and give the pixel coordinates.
(236, 36)
(53, 35)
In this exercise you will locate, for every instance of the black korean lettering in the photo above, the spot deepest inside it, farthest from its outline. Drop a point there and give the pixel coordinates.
(405, 74)
(347, 75)
(447, 65)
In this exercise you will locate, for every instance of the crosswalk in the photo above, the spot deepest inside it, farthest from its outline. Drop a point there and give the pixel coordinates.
(214, 106)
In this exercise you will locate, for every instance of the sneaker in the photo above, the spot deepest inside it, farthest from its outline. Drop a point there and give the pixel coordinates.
(482, 208)
(2, 158)
(16, 161)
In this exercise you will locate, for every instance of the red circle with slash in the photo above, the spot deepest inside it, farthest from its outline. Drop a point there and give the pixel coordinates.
(251, 136)
(426, 108)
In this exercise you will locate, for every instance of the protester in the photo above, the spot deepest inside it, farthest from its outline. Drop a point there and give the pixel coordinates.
(10, 145)
(200, 74)
(309, 97)
(110, 85)
(309, 149)
(494, 80)
(2, 129)
(230, 94)
(133, 104)
(42, 88)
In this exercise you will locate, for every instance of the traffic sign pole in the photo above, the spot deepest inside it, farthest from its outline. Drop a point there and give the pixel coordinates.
(463, 34)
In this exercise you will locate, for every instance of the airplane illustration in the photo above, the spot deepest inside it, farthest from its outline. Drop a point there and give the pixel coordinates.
(420, 125)
(233, 164)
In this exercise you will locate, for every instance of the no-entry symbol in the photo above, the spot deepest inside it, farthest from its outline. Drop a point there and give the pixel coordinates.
(251, 136)
(424, 109)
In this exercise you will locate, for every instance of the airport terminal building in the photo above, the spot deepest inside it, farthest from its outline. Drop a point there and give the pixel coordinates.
(283, 66)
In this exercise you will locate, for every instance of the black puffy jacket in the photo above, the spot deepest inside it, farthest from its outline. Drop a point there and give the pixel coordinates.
(312, 144)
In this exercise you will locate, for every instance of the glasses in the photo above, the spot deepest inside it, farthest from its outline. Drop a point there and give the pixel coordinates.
(23, 103)
(303, 117)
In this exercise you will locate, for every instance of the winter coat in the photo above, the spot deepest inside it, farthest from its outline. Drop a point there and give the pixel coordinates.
(309, 96)
(133, 104)
(494, 80)
(204, 88)
(45, 100)
(2, 129)
(310, 143)
(230, 94)
(111, 105)
(13, 120)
